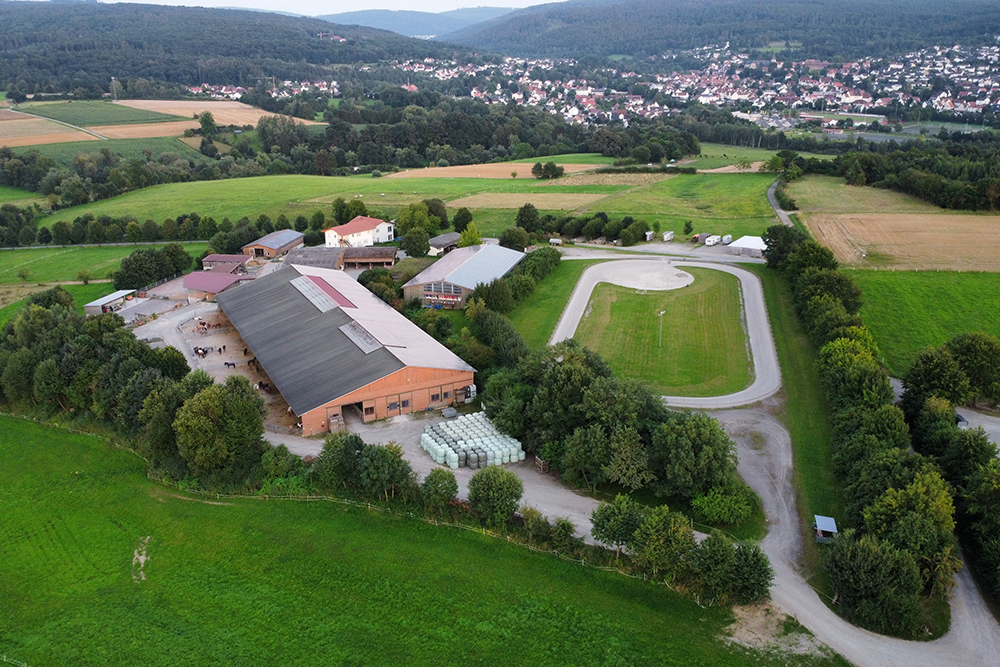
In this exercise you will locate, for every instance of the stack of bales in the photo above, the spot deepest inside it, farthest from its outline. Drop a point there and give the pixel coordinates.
(470, 440)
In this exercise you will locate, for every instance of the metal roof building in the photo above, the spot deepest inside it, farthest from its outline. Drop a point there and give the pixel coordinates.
(107, 303)
(327, 343)
(274, 244)
(448, 281)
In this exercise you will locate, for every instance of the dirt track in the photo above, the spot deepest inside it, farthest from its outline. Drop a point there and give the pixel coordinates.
(493, 170)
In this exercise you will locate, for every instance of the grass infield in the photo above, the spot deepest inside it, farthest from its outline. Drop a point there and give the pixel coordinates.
(242, 581)
(704, 350)
(536, 318)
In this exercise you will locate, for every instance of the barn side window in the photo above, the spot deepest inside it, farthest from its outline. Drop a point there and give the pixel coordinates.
(369, 411)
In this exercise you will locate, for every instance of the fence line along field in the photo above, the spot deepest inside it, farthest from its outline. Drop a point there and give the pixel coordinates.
(868, 227)
(704, 350)
(113, 568)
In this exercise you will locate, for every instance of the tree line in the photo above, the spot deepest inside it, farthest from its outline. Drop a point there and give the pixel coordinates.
(899, 548)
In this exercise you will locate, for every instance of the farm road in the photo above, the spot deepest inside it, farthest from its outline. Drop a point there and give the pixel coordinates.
(663, 274)
(765, 462)
(782, 214)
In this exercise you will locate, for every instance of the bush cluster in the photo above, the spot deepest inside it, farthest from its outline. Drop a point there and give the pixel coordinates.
(145, 266)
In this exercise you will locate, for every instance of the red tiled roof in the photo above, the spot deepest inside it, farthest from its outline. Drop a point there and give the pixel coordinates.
(362, 223)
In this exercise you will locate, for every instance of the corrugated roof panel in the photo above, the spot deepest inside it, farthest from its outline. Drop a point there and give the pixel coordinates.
(360, 337)
(329, 290)
(278, 239)
(316, 296)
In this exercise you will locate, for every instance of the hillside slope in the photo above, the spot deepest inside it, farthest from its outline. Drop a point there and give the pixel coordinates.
(84, 45)
(418, 24)
(826, 28)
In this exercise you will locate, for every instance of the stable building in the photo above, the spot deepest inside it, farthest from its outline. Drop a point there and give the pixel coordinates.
(108, 304)
(205, 285)
(211, 261)
(274, 244)
(448, 282)
(329, 346)
(360, 232)
(443, 244)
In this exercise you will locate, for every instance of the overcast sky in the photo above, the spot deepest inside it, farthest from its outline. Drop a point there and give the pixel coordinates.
(321, 7)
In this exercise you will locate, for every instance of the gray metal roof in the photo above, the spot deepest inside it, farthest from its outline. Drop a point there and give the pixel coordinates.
(301, 348)
(309, 354)
(279, 239)
(825, 523)
(120, 294)
(470, 267)
(445, 240)
(321, 256)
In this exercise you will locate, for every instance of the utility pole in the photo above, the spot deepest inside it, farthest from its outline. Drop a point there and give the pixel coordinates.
(661, 328)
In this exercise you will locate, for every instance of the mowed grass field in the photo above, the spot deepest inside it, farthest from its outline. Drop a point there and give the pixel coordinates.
(15, 195)
(128, 148)
(536, 317)
(293, 583)
(56, 264)
(908, 311)
(714, 156)
(85, 113)
(704, 350)
(82, 295)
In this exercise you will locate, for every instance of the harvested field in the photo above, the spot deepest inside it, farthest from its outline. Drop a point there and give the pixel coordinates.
(606, 179)
(26, 130)
(910, 240)
(494, 170)
(731, 169)
(145, 130)
(224, 112)
(541, 200)
(7, 114)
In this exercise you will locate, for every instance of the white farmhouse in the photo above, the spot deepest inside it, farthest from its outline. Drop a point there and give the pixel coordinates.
(360, 232)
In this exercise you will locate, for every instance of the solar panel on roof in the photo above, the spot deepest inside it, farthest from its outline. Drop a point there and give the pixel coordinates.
(316, 296)
(366, 342)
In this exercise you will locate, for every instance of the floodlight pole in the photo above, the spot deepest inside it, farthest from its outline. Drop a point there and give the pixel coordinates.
(661, 328)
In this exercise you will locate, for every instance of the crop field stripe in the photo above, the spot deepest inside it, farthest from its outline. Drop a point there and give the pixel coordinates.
(704, 350)
(365, 587)
(85, 113)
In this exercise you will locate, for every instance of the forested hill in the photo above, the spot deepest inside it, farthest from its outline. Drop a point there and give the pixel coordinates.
(826, 28)
(414, 24)
(66, 46)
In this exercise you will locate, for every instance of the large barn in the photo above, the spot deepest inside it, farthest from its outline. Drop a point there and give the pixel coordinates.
(448, 282)
(328, 344)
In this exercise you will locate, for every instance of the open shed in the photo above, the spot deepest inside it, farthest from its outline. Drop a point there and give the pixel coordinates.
(825, 526)
(109, 303)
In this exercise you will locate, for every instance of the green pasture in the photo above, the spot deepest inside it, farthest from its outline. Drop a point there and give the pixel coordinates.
(536, 317)
(807, 417)
(714, 156)
(127, 148)
(10, 195)
(57, 264)
(830, 194)
(87, 113)
(908, 311)
(704, 351)
(569, 158)
(82, 294)
(241, 581)
(697, 197)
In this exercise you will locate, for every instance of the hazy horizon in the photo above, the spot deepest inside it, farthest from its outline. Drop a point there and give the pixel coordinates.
(322, 8)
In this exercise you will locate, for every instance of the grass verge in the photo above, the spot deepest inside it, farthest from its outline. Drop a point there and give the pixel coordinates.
(536, 318)
(243, 581)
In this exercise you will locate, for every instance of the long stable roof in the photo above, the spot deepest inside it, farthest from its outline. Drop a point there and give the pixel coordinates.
(114, 296)
(445, 240)
(212, 281)
(228, 259)
(320, 335)
(277, 240)
(320, 256)
(470, 267)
